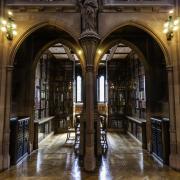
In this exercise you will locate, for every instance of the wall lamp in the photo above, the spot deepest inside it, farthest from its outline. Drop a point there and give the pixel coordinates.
(99, 51)
(171, 25)
(8, 26)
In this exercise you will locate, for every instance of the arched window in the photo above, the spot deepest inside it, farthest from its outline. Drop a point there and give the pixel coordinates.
(79, 89)
(101, 89)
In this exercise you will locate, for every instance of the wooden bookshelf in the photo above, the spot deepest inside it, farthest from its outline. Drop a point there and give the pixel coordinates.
(42, 88)
(137, 90)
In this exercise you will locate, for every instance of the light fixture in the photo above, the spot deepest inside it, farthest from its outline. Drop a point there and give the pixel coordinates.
(79, 52)
(10, 13)
(171, 25)
(171, 11)
(8, 27)
(99, 51)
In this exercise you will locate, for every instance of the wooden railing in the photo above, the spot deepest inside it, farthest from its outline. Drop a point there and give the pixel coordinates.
(137, 129)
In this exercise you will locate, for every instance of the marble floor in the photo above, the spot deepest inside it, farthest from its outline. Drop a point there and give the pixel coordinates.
(55, 160)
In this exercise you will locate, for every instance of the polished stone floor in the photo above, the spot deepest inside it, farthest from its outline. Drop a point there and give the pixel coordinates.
(55, 160)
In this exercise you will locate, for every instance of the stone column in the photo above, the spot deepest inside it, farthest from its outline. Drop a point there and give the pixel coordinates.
(96, 119)
(171, 110)
(148, 112)
(174, 97)
(29, 93)
(5, 97)
(89, 44)
(174, 159)
(5, 110)
(2, 84)
(82, 122)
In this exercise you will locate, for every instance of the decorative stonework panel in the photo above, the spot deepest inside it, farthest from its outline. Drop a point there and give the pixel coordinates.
(40, 2)
(136, 2)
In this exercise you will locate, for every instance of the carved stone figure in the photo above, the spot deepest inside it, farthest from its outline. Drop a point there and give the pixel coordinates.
(89, 14)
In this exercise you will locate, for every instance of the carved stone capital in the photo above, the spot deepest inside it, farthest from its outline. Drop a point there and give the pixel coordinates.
(89, 34)
(89, 45)
(169, 68)
(89, 68)
(9, 68)
(90, 38)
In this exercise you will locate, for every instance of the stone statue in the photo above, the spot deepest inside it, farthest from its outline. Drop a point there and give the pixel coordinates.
(89, 15)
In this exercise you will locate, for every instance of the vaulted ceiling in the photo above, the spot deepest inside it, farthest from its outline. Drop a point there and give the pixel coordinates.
(62, 52)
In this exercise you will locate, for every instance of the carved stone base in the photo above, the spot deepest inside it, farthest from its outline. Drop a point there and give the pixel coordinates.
(174, 161)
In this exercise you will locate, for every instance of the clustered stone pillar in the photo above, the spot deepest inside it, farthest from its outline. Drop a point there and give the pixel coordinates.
(5, 96)
(5, 159)
(174, 159)
(89, 44)
(97, 119)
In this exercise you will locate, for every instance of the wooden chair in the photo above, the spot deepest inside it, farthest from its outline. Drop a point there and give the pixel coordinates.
(70, 129)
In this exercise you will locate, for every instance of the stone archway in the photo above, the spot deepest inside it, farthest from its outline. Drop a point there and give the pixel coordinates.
(21, 63)
(123, 33)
